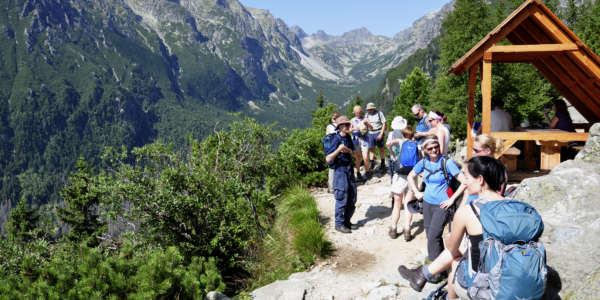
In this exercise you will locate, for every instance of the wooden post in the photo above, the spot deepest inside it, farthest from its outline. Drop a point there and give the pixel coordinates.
(486, 93)
(471, 107)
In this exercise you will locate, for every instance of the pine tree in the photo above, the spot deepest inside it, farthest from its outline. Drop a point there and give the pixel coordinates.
(320, 100)
(22, 223)
(82, 200)
(414, 89)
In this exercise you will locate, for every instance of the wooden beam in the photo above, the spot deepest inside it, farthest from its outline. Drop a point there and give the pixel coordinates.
(486, 94)
(476, 53)
(542, 135)
(505, 146)
(540, 49)
(563, 74)
(471, 107)
(562, 37)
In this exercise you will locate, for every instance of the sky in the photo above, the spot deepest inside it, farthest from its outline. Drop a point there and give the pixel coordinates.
(380, 17)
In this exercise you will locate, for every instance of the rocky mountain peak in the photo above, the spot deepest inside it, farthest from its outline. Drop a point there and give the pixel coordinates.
(359, 35)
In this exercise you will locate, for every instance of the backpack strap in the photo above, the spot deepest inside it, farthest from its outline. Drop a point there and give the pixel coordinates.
(475, 211)
(444, 160)
(430, 171)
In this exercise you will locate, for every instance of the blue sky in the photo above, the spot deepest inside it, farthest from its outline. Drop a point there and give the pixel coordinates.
(382, 17)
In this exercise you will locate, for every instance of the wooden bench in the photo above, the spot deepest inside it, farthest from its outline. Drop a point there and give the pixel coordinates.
(509, 158)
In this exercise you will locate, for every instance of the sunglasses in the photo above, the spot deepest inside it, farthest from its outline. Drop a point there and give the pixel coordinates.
(477, 150)
(432, 148)
(416, 114)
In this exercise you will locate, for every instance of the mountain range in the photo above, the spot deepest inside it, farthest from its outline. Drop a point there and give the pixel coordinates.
(78, 76)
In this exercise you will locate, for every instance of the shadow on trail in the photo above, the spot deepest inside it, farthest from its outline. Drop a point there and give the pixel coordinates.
(375, 212)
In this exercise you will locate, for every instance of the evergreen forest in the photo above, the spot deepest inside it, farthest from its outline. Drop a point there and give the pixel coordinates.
(118, 188)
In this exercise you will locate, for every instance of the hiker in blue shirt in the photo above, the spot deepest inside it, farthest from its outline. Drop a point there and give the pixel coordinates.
(435, 198)
(344, 183)
(484, 176)
(423, 127)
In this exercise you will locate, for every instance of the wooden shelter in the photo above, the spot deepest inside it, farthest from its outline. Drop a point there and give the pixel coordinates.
(540, 38)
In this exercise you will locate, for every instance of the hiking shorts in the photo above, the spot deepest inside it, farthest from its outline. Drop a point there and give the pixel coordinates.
(373, 142)
(460, 291)
(399, 184)
(360, 144)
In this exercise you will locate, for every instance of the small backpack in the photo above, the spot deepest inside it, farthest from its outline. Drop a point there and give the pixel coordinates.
(407, 159)
(512, 260)
(453, 183)
(329, 146)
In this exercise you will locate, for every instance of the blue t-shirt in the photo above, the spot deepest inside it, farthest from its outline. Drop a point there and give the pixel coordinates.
(422, 126)
(435, 182)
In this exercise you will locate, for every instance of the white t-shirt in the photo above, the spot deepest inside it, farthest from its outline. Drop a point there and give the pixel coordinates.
(446, 139)
(501, 120)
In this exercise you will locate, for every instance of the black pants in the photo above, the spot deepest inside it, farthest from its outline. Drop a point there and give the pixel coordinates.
(434, 220)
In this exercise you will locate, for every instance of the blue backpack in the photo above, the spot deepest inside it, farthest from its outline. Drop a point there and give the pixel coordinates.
(329, 146)
(512, 260)
(407, 159)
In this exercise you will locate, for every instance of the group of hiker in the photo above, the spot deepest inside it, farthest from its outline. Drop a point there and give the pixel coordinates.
(472, 200)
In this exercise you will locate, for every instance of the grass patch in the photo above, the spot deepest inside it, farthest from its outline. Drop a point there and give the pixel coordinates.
(294, 243)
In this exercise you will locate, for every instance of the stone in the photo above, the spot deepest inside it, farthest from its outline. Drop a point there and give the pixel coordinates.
(384, 292)
(569, 201)
(591, 150)
(282, 289)
(216, 296)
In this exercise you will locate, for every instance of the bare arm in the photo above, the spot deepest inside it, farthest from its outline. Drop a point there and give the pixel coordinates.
(554, 122)
(413, 186)
(441, 135)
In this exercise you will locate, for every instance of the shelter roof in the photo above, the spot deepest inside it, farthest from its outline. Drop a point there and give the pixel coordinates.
(540, 38)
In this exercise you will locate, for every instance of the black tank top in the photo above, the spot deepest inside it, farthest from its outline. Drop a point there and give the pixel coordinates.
(475, 240)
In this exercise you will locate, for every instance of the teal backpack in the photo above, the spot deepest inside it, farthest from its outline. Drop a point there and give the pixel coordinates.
(512, 260)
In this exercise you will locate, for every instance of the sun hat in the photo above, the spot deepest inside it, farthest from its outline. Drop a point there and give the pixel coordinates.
(398, 123)
(371, 105)
(342, 120)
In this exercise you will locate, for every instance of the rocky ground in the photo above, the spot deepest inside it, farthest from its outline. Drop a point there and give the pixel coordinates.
(364, 263)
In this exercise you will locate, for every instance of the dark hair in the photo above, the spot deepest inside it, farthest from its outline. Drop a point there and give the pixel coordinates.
(560, 105)
(491, 169)
(497, 102)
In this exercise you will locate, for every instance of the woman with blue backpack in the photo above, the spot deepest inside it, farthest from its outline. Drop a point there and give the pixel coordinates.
(404, 155)
(503, 259)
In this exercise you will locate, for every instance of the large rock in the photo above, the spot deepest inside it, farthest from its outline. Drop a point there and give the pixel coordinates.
(282, 289)
(569, 201)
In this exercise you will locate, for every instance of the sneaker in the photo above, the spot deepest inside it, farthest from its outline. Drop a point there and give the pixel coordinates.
(392, 233)
(343, 229)
(407, 236)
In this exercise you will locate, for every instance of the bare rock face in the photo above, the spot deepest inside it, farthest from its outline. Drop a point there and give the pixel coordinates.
(569, 200)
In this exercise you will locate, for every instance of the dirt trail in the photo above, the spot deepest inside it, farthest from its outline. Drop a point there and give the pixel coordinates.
(367, 258)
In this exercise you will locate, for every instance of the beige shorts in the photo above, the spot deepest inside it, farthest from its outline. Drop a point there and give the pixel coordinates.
(399, 184)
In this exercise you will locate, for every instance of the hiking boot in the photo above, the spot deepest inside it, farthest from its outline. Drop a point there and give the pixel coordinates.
(392, 233)
(343, 229)
(368, 175)
(437, 278)
(407, 236)
(414, 276)
(360, 178)
(351, 226)
(380, 168)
